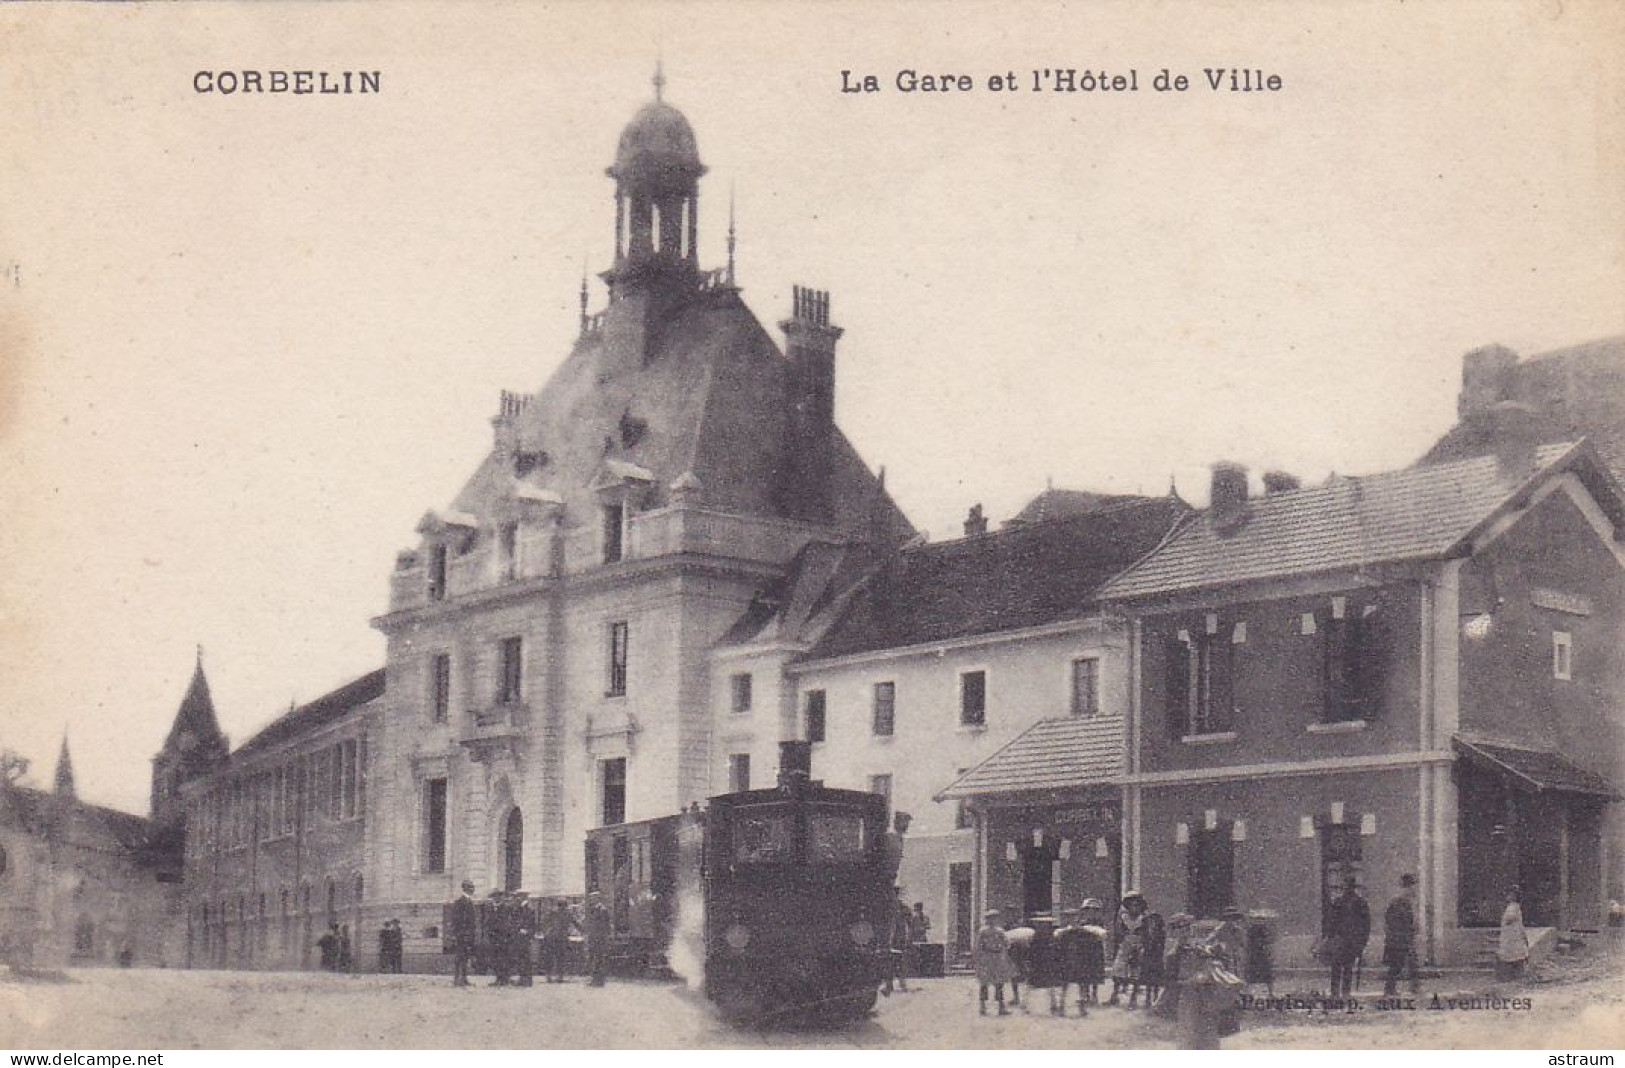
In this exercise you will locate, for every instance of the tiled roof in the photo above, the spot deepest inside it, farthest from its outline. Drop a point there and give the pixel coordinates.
(1416, 513)
(196, 715)
(1016, 577)
(1062, 503)
(1536, 769)
(318, 713)
(1052, 754)
(800, 605)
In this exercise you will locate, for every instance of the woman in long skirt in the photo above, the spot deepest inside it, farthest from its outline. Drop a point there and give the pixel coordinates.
(1512, 953)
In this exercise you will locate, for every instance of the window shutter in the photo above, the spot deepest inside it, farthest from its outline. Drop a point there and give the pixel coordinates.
(1177, 685)
(1375, 657)
(1222, 689)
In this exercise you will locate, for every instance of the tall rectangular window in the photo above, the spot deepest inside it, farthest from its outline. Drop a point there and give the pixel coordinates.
(1562, 655)
(973, 698)
(350, 797)
(512, 686)
(614, 532)
(612, 797)
(1354, 648)
(618, 639)
(815, 709)
(1086, 687)
(1215, 701)
(738, 772)
(335, 784)
(881, 784)
(434, 825)
(508, 550)
(440, 686)
(885, 709)
(739, 690)
(437, 573)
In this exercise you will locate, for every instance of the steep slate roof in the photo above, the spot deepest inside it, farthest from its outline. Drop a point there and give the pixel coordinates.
(80, 824)
(1535, 770)
(196, 713)
(1416, 513)
(1052, 754)
(799, 606)
(713, 398)
(316, 714)
(1016, 577)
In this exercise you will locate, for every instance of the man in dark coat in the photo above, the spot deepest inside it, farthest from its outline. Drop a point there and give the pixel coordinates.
(1348, 929)
(462, 928)
(520, 932)
(499, 937)
(1399, 937)
(556, 927)
(597, 931)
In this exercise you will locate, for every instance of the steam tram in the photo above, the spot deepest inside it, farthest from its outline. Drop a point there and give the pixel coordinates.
(779, 898)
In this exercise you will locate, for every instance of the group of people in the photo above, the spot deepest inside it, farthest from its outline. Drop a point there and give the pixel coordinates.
(910, 929)
(516, 930)
(334, 948)
(1151, 962)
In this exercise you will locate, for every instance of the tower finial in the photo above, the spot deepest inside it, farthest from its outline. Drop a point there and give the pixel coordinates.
(660, 77)
(731, 241)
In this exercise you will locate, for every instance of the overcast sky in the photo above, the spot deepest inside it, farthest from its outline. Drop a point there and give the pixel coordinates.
(248, 340)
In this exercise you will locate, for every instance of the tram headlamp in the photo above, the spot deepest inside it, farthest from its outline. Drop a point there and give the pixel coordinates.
(862, 932)
(737, 936)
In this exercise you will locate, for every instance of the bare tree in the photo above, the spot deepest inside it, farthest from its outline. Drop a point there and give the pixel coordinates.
(13, 767)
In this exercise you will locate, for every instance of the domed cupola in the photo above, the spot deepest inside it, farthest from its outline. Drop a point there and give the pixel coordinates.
(657, 148)
(657, 170)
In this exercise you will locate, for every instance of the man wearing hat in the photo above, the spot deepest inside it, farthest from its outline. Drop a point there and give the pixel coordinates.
(499, 937)
(461, 928)
(597, 931)
(1347, 930)
(1399, 937)
(993, 967)
(521, 925)
(555, 936)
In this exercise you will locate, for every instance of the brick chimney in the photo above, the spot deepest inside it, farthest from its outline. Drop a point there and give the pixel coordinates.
(975, 521)
(1227, 501)
(1281, 482)
(809, 343)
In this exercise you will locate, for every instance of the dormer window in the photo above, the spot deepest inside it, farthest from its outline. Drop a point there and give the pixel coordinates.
(437, 572)
(614, 532)
(508, 550)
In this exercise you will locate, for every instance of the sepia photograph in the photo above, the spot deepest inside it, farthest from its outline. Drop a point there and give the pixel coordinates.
(784, 525)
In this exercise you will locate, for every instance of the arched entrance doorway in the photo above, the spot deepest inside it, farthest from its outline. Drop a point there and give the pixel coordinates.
(513, 850)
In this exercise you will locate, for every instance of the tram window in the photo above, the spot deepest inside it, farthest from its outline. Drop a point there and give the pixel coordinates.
(833, 839)
(763, 839)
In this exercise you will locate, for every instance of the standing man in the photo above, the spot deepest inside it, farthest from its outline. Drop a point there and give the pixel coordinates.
(1348, 929)
(521, 928)
(597, 930)
(556, 929)
(498, 937)
(897, 945)
(461, 928)
(894, 842)
(1399, 938)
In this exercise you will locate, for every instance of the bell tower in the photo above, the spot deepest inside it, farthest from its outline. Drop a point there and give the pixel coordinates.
(656, 170)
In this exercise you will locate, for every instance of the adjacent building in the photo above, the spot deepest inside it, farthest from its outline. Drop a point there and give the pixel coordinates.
(1414, 672)
(84, 884)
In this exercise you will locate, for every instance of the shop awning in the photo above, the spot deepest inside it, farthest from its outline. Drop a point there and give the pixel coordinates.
(1053, 754)
(1536, 770)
